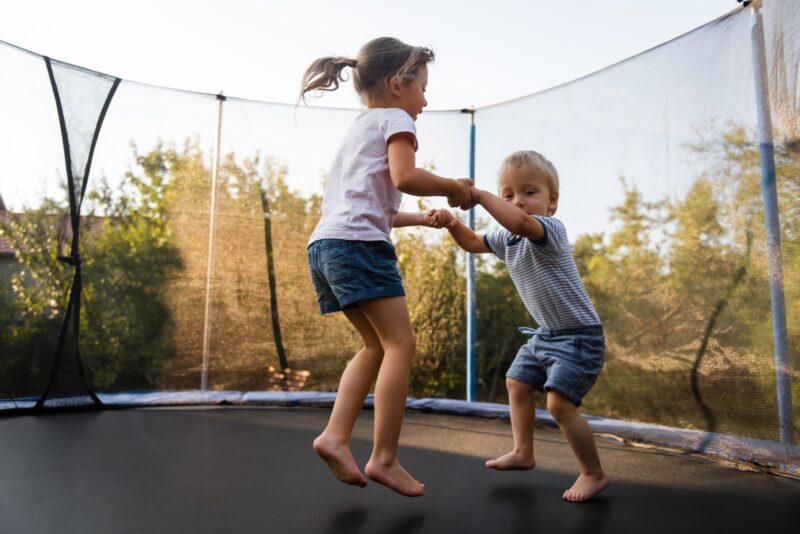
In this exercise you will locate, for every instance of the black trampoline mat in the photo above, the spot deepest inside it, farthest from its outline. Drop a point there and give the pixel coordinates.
(251, 469)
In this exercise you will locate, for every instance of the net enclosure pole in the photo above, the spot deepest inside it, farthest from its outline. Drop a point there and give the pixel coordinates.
(772, 226)
(211, 237)
(471, 288)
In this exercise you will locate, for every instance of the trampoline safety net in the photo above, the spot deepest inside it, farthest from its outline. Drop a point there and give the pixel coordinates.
(154, 239)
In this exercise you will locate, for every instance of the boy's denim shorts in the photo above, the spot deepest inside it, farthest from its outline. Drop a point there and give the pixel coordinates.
(346, 272)
(567, 361)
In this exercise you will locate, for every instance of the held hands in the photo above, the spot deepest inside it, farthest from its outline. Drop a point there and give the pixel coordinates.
(461, 195)
(438, 218)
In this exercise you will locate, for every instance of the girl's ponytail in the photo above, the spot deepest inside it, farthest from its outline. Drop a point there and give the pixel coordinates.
(325, 74)
(377, 62)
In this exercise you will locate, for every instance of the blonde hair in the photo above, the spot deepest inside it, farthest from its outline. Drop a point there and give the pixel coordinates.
(531, 158)
(377, 62)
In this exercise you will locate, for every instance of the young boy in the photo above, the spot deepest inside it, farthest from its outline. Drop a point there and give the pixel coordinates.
(565, 355)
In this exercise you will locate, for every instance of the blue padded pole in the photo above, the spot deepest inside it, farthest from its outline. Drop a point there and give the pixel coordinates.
(773, 228)
(471, 378)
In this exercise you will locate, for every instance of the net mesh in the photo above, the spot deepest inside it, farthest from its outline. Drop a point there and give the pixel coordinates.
(660, 193)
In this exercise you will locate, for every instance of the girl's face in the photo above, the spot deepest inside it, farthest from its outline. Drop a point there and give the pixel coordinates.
(528, 188)
(410, 96)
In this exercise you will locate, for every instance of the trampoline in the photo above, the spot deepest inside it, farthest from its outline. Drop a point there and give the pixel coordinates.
(169, 287)
(251, 469)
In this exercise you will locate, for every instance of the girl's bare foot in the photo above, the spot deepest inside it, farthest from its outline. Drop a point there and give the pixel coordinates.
(394, 477)
(513, 461)
(340, 460)
(586, 487)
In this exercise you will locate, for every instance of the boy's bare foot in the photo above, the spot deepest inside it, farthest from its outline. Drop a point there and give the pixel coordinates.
(340, 460)
(394, 477)
(586, 487)
(512, 461)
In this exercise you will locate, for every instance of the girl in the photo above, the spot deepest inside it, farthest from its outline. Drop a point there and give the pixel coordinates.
(351, 258)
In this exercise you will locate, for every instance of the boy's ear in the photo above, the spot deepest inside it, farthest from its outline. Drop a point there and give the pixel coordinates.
(553, 205)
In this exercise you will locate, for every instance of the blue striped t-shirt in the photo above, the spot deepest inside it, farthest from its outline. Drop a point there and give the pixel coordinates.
(545, 275)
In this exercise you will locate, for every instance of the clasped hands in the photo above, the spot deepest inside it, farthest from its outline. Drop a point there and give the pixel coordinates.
(461, 196)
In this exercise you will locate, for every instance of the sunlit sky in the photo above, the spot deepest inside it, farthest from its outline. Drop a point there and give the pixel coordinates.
(487, 51)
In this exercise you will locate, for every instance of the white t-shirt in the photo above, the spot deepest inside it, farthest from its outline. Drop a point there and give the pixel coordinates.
(361, 201)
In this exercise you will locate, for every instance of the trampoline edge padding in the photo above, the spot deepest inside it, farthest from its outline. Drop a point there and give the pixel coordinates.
(766, 455)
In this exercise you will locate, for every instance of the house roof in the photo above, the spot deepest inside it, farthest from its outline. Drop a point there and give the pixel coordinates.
(6, 250)
(60, 226)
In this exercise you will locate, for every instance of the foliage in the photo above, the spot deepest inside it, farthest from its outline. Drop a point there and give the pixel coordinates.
(681, 285)
(127, 259)
(436, 301)
(31, 300)
(499, 313)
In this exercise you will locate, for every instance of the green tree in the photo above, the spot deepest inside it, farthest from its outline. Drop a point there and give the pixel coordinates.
(748, 344)
(626, 274)
(703, 264)
(128, 257)
(33, 298)
(127, 335)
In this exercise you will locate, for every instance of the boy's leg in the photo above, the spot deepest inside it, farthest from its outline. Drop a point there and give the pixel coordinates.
(522, 406)
(389, 317)
(333, 445)
(592, 479)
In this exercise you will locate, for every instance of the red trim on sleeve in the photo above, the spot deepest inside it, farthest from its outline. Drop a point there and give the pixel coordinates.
(404, 135)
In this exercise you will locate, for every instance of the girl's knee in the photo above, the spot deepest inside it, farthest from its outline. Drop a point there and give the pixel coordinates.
(515, 387)
(559, 406)
(406, 344)
(404, 350)
(375, 351)
(412, 343)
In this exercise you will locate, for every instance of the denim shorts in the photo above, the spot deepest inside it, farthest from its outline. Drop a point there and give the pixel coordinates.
(345, 272)
(567, 361)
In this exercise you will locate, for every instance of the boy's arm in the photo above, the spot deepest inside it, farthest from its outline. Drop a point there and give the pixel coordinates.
(462, 235)
(509, 216)
(466, 238)
(407, 178)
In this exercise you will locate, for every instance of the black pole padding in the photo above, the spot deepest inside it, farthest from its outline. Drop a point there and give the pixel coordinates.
(74, 260)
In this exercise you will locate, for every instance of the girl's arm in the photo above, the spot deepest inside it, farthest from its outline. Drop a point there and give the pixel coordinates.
(462, 235)
(405, 218)
(509, 216)
(407, 178)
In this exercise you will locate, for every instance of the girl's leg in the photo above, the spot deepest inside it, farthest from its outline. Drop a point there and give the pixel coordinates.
(592, 479)
(389, 318)
(522, 406)
(333, 445)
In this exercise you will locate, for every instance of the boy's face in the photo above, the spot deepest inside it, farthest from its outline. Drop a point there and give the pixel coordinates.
(528, 188)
